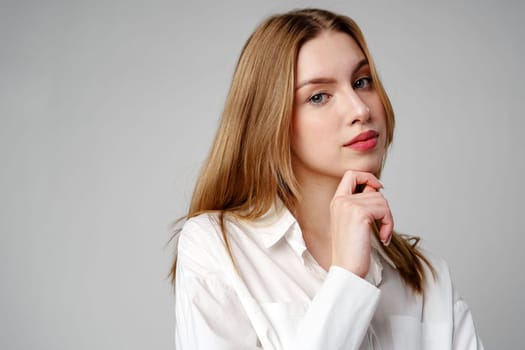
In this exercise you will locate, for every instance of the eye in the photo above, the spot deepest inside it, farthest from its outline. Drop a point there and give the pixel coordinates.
(319, 98)
(363, 83)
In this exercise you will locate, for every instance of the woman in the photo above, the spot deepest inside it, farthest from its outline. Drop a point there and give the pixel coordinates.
(281, 249)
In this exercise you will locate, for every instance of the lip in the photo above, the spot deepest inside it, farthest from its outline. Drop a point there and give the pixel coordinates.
(364, 141)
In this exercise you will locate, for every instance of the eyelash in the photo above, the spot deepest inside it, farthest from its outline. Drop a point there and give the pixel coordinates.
(367, 81)
(323, 94)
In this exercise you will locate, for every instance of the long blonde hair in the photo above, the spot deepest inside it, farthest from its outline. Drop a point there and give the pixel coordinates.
(249, 166)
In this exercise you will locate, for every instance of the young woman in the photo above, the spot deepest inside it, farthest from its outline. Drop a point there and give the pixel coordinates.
(289, 243)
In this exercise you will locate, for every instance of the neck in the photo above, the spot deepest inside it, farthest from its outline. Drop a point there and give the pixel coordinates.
(313, 215)
(313, 209)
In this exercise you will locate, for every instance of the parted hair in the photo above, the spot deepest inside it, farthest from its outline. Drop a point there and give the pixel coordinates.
(249, 166)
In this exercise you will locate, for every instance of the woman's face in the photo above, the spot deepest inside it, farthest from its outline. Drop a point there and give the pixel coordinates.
(339, 122)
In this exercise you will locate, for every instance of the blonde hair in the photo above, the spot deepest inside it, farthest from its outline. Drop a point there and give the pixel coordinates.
(249, 166)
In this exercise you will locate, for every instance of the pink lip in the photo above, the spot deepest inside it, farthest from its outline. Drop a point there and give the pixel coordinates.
(364, 141)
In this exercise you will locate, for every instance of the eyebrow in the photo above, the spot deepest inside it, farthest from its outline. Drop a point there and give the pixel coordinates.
(360, 65)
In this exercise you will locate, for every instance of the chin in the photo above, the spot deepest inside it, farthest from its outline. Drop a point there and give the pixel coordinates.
(367, 167)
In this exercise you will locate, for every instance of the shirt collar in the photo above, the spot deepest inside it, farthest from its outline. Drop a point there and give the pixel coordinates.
(273, 225)
(278, 222)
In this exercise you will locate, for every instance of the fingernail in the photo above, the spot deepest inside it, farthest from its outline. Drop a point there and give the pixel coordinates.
(387, 241)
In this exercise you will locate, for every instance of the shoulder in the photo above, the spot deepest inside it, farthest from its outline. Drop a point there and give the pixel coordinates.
(440, 265)
(438, 280)
(201, 224)
(442, 302)
(198, 228)
(438, 271)
(201, 248)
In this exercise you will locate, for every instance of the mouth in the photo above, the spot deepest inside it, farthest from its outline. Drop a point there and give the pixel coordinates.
(364, 141)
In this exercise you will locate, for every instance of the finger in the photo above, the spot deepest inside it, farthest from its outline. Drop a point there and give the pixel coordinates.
(352, 178)
(363, 188)
(369, 188)
(387, 228)
(382, 217)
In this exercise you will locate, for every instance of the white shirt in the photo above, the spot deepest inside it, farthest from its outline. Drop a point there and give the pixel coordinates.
(280, 297)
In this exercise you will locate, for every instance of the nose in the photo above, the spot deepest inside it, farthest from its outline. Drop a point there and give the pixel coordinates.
(357, 110)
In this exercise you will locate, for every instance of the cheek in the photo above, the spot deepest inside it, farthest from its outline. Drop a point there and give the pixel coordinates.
(380, 123)
(308, 133)
(379, 116)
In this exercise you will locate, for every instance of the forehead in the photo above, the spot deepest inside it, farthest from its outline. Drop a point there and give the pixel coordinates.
(330, 54)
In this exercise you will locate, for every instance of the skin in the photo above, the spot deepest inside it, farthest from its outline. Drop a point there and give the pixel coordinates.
(335, 101)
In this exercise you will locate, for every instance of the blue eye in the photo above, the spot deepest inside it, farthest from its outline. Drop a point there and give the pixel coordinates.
(363, 83)
(319, 98)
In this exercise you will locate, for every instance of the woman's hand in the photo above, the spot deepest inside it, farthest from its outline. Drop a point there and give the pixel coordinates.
(352, 216)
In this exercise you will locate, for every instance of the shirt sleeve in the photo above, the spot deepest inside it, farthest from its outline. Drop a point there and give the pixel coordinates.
(340, 313)
(465, 337)
(463, 330)
(208, 315)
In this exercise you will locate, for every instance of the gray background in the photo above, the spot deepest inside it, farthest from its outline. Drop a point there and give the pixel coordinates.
(108, 109)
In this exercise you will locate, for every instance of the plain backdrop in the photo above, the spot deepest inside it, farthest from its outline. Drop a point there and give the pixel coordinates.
(108, 108)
